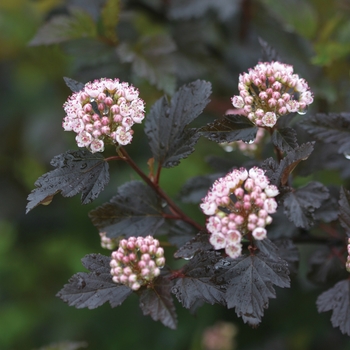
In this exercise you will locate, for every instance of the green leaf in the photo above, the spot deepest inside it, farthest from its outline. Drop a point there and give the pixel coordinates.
(296, 15)
(110, 16)
(151, 59)
(64, 28)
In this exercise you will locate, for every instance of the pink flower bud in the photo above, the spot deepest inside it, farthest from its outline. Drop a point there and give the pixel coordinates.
(146, 257)
(135, 286)
(160, 262)
(123, 279)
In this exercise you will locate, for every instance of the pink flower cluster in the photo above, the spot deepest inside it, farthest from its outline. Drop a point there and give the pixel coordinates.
(106, 242)
(271, 90)
(137, 261)
(347, 264)
(104, 110)
(238, 204)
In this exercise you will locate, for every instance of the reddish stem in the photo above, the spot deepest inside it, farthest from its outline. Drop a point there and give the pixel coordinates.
(178, 214)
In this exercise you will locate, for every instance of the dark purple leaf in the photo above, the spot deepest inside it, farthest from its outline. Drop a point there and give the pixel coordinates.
(251, 279)
(325, 266)
(157, 302)
(285, 139)
(195, 282)
(269, 54)
(330, 128)
(280, 249)
(180, 233)
(198, 243)
(76, 172)
(74, 85)
(197, 187)
(166, 123)
(344, 210)
(300, 205)
(281, 227)
(289, 252)
(279, 173)
(328, 211)
(93, 289)
(135, 211)
(230, 128)
(337, 300)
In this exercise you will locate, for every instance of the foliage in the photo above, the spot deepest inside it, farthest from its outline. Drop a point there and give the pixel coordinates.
(172, 47)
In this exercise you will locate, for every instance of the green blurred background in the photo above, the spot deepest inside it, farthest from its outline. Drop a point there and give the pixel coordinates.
(41, 250)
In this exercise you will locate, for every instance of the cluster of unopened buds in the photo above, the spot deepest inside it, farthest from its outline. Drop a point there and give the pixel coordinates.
(106, 242)
(137, 261)
(239, 204)
(103, 111)
(271, 90)
(347, 264)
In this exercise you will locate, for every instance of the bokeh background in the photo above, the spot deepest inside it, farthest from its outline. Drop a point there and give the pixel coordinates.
(157, 45)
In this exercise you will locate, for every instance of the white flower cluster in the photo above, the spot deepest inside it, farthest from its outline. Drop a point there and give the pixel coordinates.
(271, 90)
(347, 264)
(238, 204)
(137, 261)
(104, 110)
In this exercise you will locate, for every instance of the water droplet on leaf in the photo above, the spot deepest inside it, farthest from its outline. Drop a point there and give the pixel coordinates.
(347, 154)
(302, 111)
(249, 142)
(228, 148)
(189, 257)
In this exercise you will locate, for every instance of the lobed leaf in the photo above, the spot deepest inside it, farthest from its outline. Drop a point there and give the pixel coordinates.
(279, 173)
(166, 123)
(337, 300)
(344, 210)
(197, 187)
(180, 233)
(281, 227)
(93, 289)
(300, 205)
(151, 59)
(76, 172)
(230, 128)
(195, 281)
(285, 139)
(74, 85)
(198, 243)
(156, 301)
(269, 53)
(250, 283)
(134, 211)
(79, 24)
(330, 128)
(325, 266)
